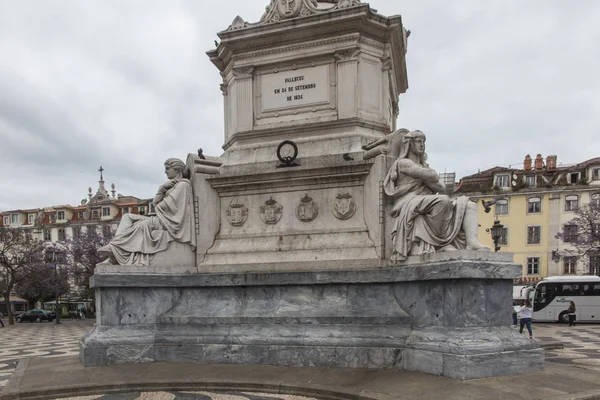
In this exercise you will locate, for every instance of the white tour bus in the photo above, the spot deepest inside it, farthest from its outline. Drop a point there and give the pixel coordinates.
(550, 297)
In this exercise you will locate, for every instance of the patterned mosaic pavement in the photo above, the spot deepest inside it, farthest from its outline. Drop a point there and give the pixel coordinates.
(581, 349)
(190, 396)
(581, 344)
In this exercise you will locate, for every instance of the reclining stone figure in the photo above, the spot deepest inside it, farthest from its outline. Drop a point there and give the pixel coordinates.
(138, 238)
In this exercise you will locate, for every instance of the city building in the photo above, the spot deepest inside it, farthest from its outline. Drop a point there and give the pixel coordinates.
(534, 203)
(52, 224)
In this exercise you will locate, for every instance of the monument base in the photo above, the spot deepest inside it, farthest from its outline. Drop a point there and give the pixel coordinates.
(443, 314)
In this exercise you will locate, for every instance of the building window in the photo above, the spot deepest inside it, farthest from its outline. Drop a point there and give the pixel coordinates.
(80, 215)
(503, 181)
(106, 231)
(52, 217)
(570, 262)
(571, 203)
(596, 174)
(30, 219)
(533, 234)
(530, 180)
(534, 205)
(47, 236)
(533, 265)
(105, 211)
(14, 218)
(595, 264)
(569, 233)
(125, 210)
(91, 228)
(502, 207)
(7, 220)
(95, 214)
(595, 232)
(141, 210)
(76, 232)
(151, 208)
(595, 200)
(60, 215)
(62, 235)
(574, 178)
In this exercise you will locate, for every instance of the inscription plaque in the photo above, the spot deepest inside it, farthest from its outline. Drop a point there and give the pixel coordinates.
(300, 87)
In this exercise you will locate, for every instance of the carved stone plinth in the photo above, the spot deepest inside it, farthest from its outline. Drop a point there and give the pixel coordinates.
(440, 314)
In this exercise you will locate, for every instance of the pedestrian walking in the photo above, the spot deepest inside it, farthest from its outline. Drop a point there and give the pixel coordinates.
(571, 311)
(1, 323)
(526, 312)
(514, 316)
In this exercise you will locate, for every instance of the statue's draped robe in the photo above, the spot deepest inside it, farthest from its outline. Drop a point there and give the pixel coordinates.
(139, 238)
(424, 222)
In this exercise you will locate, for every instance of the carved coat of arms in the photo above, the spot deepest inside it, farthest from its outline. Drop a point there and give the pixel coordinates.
(271, 212)
(344, 206)
(307, 210)
(237, 213)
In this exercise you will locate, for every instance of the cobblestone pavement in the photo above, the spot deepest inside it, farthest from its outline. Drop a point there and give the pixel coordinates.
(190, 396)
(581, 348)
(581, 344)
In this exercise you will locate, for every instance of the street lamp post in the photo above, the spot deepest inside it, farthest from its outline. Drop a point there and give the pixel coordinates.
(497, 230)
(52, 249)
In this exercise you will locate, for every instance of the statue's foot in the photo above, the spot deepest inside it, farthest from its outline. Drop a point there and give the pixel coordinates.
(448, 248)
(105, 251)
(476, 245)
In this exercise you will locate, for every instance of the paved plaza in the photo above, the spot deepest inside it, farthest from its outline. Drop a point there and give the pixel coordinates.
(580, 350)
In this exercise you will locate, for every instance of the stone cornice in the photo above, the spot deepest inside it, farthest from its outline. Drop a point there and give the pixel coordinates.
(250, 180)
(281, 131)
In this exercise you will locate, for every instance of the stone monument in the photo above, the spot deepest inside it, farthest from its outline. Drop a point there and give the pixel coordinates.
(321, 235)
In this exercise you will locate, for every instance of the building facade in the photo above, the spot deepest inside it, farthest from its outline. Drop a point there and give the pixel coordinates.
(101, 211)
(535, 203)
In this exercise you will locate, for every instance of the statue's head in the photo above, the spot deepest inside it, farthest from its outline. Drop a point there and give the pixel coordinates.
(414, 142)
(175, 168)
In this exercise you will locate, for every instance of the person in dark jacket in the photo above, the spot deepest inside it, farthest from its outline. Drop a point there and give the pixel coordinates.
(571, 311)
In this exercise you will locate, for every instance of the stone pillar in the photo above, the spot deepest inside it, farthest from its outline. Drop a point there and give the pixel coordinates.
(347, 83)
(242, 102)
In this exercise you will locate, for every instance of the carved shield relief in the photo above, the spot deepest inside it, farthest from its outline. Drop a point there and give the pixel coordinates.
(344, 206)
(271, 212)
(307, 210)
(237, 213)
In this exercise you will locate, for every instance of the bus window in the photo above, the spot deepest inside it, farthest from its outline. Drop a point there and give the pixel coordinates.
(592, 289)
(541, 297)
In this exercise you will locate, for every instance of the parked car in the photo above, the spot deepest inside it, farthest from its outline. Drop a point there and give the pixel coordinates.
(36, 315)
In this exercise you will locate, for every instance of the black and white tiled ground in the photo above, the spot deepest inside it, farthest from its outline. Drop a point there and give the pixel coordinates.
(581, 349)
(31, 339)
(190, 396)
(581, 344)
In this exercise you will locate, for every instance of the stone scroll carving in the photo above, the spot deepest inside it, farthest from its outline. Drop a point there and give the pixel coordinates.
(139, 238)
(424, 219)
(279, 10)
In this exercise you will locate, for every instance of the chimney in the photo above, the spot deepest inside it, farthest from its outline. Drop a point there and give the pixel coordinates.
(539, 162)
(551, 163)
(527, 163)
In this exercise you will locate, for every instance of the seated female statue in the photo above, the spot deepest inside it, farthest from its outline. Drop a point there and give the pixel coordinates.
(139, 238)
(426, 221)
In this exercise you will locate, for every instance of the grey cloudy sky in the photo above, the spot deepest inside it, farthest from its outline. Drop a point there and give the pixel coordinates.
(127, 84)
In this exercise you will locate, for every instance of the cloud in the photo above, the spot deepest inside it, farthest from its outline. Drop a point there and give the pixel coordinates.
(126, 85)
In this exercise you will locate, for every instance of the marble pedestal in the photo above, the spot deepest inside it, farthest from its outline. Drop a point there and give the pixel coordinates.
(441, 314)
